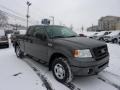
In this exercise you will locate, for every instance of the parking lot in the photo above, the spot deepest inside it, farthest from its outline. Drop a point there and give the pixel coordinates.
(35, 76)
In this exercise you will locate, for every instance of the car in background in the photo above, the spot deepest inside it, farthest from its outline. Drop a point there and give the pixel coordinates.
(15, 33)
(113, 37)
(82, 35)
(93, 34)
(3, 39)
(100, 35)
(119, 41)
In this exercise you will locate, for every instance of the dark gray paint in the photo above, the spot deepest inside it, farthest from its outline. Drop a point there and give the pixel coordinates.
(45, 49)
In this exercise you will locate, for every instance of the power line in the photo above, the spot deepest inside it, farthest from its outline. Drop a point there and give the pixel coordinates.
(15, 16)
(11, 15)
(11, 10)
(16, 13)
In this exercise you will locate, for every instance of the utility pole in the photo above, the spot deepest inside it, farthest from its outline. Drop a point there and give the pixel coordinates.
(108, 23)
(28, 5)
(92, 27)
(53, 19)
(82, 28)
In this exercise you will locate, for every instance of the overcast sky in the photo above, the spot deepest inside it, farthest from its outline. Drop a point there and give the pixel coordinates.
(76, 12)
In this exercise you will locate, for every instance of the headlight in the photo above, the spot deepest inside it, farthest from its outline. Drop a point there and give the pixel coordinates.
(82, 53)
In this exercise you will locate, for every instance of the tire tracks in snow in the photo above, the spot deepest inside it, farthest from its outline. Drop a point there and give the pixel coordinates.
(115, 75)
(108, 81)
(47, 84)
(71, 86)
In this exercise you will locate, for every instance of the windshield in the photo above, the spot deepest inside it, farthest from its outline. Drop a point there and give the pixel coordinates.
(95, 34)
(100, 33)
(60, 32)
(113, 33)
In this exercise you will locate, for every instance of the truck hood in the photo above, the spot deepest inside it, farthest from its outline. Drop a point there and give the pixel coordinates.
(79, 42)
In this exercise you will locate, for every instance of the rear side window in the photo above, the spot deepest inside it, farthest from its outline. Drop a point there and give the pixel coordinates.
(105, 33)
(39, 30)
(30, 31)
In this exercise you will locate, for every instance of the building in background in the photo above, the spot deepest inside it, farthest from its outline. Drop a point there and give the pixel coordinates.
(118, 26)
(93, 28)
(108, 23)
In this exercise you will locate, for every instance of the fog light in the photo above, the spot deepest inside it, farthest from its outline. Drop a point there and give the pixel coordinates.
(90, 71)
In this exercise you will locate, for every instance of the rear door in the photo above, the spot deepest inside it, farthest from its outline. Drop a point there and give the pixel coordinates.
(28, 40)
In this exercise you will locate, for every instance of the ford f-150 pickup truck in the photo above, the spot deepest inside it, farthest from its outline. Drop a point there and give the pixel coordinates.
(66, 53)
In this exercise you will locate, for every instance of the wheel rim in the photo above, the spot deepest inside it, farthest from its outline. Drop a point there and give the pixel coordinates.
(59, 71)
(18, 51)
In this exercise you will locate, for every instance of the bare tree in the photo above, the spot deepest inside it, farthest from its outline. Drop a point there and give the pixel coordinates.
(3, 20)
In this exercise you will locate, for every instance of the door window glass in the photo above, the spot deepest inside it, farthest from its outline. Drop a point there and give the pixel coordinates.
(39, 30)
(30, 31)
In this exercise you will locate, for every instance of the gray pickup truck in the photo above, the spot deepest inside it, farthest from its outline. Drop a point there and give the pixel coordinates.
(66, 53)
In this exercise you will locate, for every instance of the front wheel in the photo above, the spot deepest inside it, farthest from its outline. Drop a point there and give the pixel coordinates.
(61, 70)
(18, 52)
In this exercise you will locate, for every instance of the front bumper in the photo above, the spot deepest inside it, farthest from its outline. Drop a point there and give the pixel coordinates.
(90, 67)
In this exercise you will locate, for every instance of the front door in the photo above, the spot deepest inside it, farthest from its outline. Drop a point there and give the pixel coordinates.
(40, 46)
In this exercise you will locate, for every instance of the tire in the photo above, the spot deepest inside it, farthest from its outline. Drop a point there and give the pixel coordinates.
(18, 52)
(61, 70)
(114, 41)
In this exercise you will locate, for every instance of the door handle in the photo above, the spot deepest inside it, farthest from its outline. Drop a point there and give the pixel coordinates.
(50, 44)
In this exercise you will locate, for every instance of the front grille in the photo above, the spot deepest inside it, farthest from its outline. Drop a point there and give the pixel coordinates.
(100, 52)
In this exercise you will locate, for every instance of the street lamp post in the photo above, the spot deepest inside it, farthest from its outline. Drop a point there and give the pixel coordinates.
(28, 4)
(82, 28)
(53, 19)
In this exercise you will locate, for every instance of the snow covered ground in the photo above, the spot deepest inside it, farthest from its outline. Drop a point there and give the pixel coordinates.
(27, 74)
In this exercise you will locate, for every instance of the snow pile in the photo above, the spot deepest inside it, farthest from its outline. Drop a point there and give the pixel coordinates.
(15, 74)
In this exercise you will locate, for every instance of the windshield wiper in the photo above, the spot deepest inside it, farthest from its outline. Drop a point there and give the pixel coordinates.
(72, 36)
(58, 37)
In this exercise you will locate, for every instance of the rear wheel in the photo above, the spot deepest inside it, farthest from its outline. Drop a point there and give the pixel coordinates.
(18, 52)
(61, 70)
